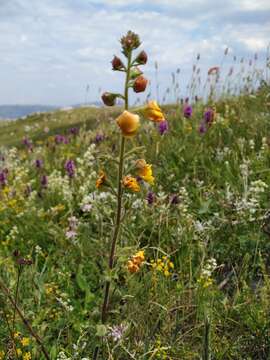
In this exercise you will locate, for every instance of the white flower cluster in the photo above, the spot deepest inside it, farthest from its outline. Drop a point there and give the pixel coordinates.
(249, 204)
(65, 302)
(60, 184)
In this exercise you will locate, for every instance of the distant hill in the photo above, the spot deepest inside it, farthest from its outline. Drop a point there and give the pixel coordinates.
(18, 111)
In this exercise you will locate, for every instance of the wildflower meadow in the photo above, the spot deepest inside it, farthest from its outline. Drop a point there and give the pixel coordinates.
(140, 230)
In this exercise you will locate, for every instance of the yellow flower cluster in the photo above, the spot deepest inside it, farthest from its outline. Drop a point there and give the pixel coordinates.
(24, 342)
(129, 182)
(163, 265)
(145, 171)
(2, 354)
(205, 282)
(136, 261)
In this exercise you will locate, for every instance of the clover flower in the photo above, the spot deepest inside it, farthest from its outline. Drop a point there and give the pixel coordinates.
(117, 331)
(70, 168)
(39, 163)
(187, 111)
(163, 127)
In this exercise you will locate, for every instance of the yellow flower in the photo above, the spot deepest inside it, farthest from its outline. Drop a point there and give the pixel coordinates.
(128, 123)
(19, 352)
(138, 258)
(153, 112)
(131, 183)
(17, 334)
(27, 356)
(145, 171)
(25, 341)
(2, 354)
(101, 180)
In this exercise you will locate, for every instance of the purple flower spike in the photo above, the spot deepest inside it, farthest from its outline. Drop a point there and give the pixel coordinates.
(74, 131)
(39, 163)
(163, 127)
(150, 198)
(70, 168)
(202, 128)
(3, 177)
(44, 181)
(208, 116)
(174, 199)
(99, 138)
(28, 144)
(61, 139)
(187, 111)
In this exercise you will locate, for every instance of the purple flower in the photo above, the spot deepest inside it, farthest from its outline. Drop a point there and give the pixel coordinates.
(208, 116)
(117, 332)
(174, 200)
(202, 128)
(187, 111)
(74, 131)
(3, 177)
(163, 127)
(150, 198)
(39, 163)
(99, 138)
(61, 139)
(28, 144)
(44, 181)
(70, 168)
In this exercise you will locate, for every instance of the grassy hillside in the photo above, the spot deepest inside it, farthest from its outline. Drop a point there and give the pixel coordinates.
(203, 226)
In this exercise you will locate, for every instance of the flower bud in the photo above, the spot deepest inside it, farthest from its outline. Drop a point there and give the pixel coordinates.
(109, 99)
(140, 84)
(141, 59)
(117, 64)
(130, 42)
(128, 123)
(134, 73)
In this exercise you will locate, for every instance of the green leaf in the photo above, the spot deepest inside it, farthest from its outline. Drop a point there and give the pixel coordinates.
(101, 330)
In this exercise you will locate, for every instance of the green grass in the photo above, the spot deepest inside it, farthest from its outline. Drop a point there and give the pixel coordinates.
(221, 180)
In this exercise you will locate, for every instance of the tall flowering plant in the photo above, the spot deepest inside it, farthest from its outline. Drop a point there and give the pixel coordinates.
(128, 124)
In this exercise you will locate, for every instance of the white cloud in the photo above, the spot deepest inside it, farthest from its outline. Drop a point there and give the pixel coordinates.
(43, 41)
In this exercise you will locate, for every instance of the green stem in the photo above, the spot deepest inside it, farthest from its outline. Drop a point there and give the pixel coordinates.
(117, 225)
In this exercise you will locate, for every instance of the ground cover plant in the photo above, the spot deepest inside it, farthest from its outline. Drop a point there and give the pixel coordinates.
(138, 233)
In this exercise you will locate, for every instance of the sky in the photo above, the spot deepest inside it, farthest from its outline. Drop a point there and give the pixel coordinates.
(52, 49)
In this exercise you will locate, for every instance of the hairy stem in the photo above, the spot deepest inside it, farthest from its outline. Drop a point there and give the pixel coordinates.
(117, 224)
(6, 292)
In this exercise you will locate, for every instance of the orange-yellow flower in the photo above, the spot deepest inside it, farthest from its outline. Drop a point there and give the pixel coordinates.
(131, 183)
(153, 112)
(136, 261)
(132, 267)
(138, 258)
(145, 171)
(101, 179)
(128, 123)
